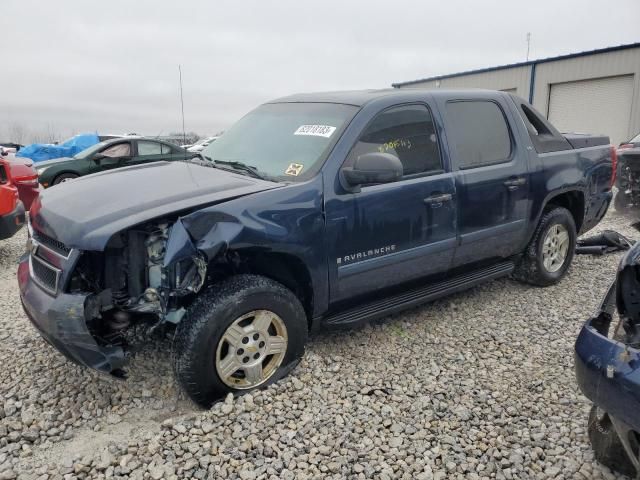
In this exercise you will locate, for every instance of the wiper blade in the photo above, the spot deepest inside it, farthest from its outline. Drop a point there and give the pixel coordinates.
(243, 167)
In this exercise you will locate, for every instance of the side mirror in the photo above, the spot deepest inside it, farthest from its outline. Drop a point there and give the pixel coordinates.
(98, 157)
(373, 167)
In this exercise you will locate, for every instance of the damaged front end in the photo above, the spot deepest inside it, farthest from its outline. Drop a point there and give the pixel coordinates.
(607, 355)
(85, 302)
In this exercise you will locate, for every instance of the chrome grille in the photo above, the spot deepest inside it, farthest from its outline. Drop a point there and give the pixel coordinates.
(51, 243)
(45, 275)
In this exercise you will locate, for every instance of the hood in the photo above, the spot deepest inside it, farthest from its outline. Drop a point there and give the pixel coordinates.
(85, 213)
(55, 161)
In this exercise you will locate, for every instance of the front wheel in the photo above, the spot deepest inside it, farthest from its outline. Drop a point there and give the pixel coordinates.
(243, 333)
(65, 177)
(606, 445)
(550, 252)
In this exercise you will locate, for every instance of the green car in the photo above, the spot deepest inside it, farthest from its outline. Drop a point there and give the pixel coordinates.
(114, 153)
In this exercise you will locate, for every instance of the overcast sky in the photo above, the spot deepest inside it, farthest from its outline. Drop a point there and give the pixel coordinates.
(112, 67)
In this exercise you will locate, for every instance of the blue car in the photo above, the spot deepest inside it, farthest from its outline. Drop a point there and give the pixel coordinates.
(607, 358)
(313, 211)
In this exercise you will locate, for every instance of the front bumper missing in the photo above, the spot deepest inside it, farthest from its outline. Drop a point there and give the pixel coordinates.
(62, 322)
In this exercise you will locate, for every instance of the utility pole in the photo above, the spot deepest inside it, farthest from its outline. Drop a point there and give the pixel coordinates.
(528, 44)
(184, 135)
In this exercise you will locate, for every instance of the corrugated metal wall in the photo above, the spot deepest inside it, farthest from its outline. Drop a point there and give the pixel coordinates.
(611, 64)
(601, 65)
(506, 79)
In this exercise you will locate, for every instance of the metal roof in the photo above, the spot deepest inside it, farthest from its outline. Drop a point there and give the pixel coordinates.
(521, 64)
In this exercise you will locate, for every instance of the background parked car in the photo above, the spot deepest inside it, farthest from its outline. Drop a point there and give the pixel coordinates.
(9, 147)
(633, 143)
(607, 367)
(12, 215)
(115, 153)
(23, 176)
(628, 178)
(44, 151)
(201, 144)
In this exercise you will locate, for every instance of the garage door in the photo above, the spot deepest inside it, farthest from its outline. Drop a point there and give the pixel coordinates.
(601, 106)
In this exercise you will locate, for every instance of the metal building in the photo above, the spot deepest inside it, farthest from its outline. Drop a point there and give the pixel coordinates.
(593, 92)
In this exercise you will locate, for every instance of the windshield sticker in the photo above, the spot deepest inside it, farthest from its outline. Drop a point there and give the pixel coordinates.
(315, 130)
(294, 169)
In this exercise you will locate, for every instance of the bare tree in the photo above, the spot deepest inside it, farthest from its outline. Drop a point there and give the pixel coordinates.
(17, 133)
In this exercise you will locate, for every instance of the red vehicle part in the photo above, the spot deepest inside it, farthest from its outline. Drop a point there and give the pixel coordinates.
(12, 216)
(24, 177)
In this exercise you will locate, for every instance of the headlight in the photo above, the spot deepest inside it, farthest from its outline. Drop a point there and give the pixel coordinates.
(41, 170)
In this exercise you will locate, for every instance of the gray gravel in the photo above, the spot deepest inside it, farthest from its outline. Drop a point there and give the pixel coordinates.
(479, 385)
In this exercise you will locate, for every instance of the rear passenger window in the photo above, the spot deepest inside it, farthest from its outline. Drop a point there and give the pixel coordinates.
(149, 148)
(406, 132)
(480, 133)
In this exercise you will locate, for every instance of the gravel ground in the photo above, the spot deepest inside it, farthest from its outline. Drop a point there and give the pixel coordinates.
(479, 385)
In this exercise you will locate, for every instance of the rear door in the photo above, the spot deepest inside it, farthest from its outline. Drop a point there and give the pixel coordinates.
(150, 151)
(491, 175)
(390, 233)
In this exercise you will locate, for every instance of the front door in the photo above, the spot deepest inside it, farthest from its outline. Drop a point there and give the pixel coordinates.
(387, 234)
(492, 179)
(113, 156)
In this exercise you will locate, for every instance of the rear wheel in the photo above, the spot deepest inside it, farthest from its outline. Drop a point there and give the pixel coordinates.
(550, 252)
(607, 447)
(244, 333)
(64, 177)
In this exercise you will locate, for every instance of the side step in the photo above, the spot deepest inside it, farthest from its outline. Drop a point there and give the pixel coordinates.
(395, 303)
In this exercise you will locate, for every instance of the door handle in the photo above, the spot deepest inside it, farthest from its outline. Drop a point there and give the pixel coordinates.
(514, 183)
(437, 200)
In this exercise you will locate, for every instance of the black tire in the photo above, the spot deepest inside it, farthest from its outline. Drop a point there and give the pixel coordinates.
(63, 177)
(198, 334)
(621, 202)
(607, 447)
(530, 268)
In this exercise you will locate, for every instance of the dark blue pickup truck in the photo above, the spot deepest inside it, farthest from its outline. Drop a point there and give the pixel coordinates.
(313, 210)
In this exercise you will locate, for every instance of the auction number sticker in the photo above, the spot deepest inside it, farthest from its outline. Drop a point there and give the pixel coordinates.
(294, 169)
(315, 130)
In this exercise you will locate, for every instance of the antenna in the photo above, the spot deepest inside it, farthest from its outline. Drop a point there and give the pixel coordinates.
(528, 44)
(184, 135)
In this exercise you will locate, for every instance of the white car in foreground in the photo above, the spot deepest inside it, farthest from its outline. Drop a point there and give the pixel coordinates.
(201, 144)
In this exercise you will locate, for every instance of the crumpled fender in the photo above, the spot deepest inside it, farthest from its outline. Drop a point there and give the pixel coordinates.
(215, 241)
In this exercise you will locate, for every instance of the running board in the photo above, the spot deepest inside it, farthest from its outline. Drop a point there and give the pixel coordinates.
(395, 303)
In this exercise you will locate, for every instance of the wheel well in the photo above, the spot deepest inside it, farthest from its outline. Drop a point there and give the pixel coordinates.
(59, 174)
(286, 269)
(572, 201)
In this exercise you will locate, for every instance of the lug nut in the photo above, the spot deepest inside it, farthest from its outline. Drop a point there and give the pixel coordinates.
(240, 351)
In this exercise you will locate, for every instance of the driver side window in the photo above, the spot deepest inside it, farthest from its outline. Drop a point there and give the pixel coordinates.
(118, 150)
(408, 133)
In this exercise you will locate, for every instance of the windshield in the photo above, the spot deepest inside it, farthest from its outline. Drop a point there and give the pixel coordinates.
(635, 139)
(88, 151)
(284, 141)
